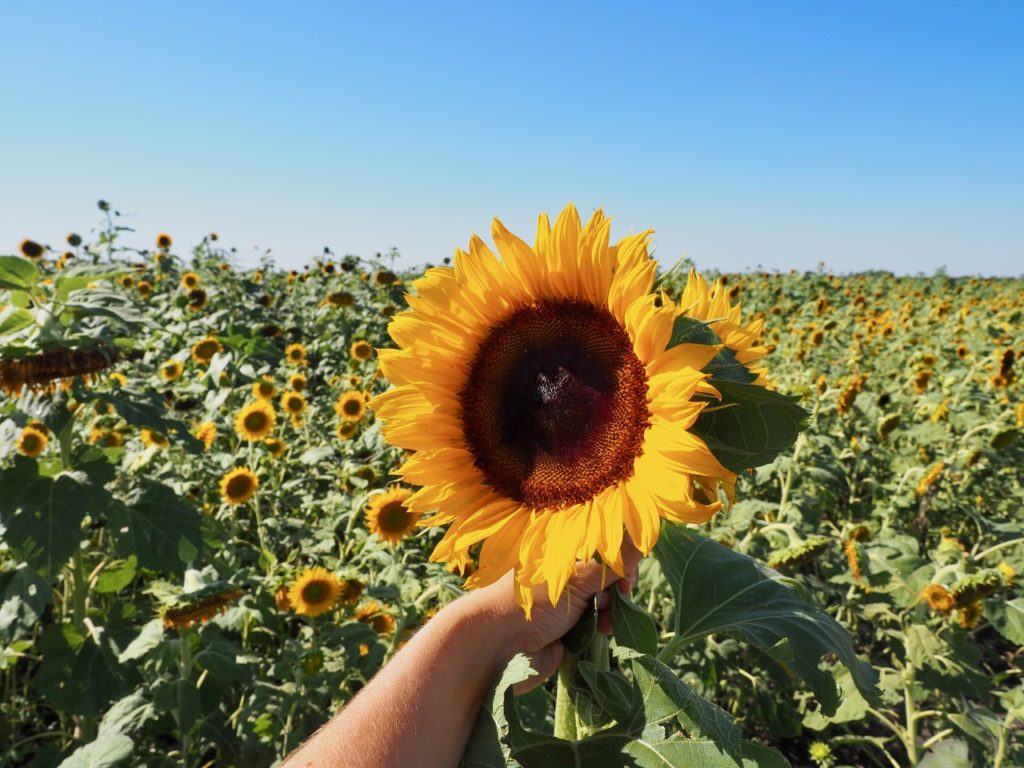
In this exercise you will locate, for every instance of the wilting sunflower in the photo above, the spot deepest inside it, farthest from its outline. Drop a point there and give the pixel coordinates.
(145, 288)
(255, 421)
(350, 406)
(314, 591)
(340, 299)
(293, 403)
(264, 389)
(298, 382)
(206, 433)
(545, 410)
(196, 299)
(238, 486)
(295, 354)
(204, 350)
(32, 442)
(388, 516)
(199, 606)
(153, 439)
(938, 598)
(171, 370)
(347, 430)
(361, 350)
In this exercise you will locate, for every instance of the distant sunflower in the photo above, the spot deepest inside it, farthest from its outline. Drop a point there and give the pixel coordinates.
(204, 350)
(371, 612)
(275, 446)
(295, 354)
(347, 430)
(196, 299)
(151, 438)
(340, 299)
(361, 350)
(314, 591)
(32, 442)
(164, 241)
(171, 370)
(31, 249)
(264, 389)
(388, 516)
(293, 403)
(350, 406)
(351, 591)
(255, 421)
(238, 486)
(199, 606)
(145, 288)
(298, 382)
(190, 280)
(938, 598)
(545, 409)
(126, 281)
(119, 379)
(206, 433)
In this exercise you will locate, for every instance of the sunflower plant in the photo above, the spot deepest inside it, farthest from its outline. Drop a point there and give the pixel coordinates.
(554, 405)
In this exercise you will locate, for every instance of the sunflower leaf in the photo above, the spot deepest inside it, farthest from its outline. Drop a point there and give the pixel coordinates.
(146, 409)
(686, 330)
(17, 273)
(633, 627)
(151, 525)
(718, 590)
(751, 426)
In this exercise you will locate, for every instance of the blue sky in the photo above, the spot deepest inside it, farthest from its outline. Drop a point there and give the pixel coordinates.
(867, 135)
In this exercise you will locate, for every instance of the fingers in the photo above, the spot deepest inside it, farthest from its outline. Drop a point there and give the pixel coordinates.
(545, 663)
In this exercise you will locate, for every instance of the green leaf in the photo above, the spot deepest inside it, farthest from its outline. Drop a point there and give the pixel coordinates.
(79, 277)
(1007, 618)
(577, 639)
(117, 575)
(146, 409)
(485, 748)
(43, 515)
(23, 599)
(79, 676)
(951, 753)
(686, 330)
(725, 367)
(718, 590)
(618, 697)
(151, 524)
(751, 425)
(17, 273)
(633, 627)
(14, 320)
(151, 635)
(109, 748)
(690, 754)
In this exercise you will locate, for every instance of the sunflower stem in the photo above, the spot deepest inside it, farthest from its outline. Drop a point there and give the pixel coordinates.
(565, 710)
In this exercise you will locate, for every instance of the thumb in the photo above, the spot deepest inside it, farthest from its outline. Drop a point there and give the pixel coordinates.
(545, 662)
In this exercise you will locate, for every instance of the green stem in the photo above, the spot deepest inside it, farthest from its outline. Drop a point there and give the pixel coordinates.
(911, 714)
(565, 710)
(185, 672)
(79, 587)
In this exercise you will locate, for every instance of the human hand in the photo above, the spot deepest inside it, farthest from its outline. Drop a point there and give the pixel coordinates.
(540, 637)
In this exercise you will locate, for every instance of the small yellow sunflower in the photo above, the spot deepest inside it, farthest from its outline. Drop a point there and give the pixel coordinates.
(371, 612)
(255, 421)
(31, 249)
(388, 516)
(347, 430)
(119, 379)
(32, 442)
(275, 446)
(126, 281)
(238, 486)
(939, 599)
(196, 299)
(204, 350)
(145, 288)
(295, 354)
(361, 350)
(153, 439)
(164, 241)
(171, 370)
(293, 403)
(105, 438)
(206, 433)
(350, 406)
(264, 389)
(189, 281)
(314, 591)
(298, 382)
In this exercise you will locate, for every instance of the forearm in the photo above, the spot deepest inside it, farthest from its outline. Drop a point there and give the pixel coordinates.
(420, 708)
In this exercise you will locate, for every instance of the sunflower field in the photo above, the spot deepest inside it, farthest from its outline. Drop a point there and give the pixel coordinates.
(205, 550)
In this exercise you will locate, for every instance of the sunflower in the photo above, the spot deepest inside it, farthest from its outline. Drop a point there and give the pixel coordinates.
(153, 439)
(164, 241)
(295, 354)
(199, 606)
(126, 281)
(32, 442)
(711, 305)
(255, 421)
(388, 516)
(275, 446)
(171, 370)
(293, 403)
(238, 486)
(145, 288)
(361, 350)
(264, 389)
(347, 430)
(105, 438)
(939, 599)
(204, 350)
(545, 409)
(351, 591)
(206, 433)
(371, 612)
(350, 406)
(189, 281)
(31, 249)
(298, 382)
(74, 240)
(340, 299)
(119, 379)
(196, 299)
(314, 591)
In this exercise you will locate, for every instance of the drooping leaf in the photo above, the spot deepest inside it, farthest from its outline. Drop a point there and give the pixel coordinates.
(1008, 618)
(718, 590)
(686, 330)
(750, 426)
(24, 596)
(485, 748)
(15, 319)
(677, 753)
(108, 749)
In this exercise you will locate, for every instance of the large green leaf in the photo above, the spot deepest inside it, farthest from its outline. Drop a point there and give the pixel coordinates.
(17, 273)
(1008, 618)
(751, 425)
(720, 591)
(43, 515)
(634, 627)
(151, 524)
(108, 749)
(15, 319)
(485, 748)
(23, 598)
(676, 753)
(78, 675)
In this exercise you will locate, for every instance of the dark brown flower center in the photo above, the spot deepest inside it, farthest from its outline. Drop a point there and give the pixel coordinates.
(239, 486)
(555, 405)
(394, 517)
(315, 592)
(256, 421)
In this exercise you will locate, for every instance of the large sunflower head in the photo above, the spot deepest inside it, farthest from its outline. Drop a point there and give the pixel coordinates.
(238, 486)
(314, 591)
(547, 414)
(350, 406)
(388, 516)
(255, 421)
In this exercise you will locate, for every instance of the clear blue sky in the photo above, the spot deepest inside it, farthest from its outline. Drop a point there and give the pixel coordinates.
(869, 135)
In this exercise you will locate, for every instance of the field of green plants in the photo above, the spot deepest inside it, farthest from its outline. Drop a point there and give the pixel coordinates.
(161, 511)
